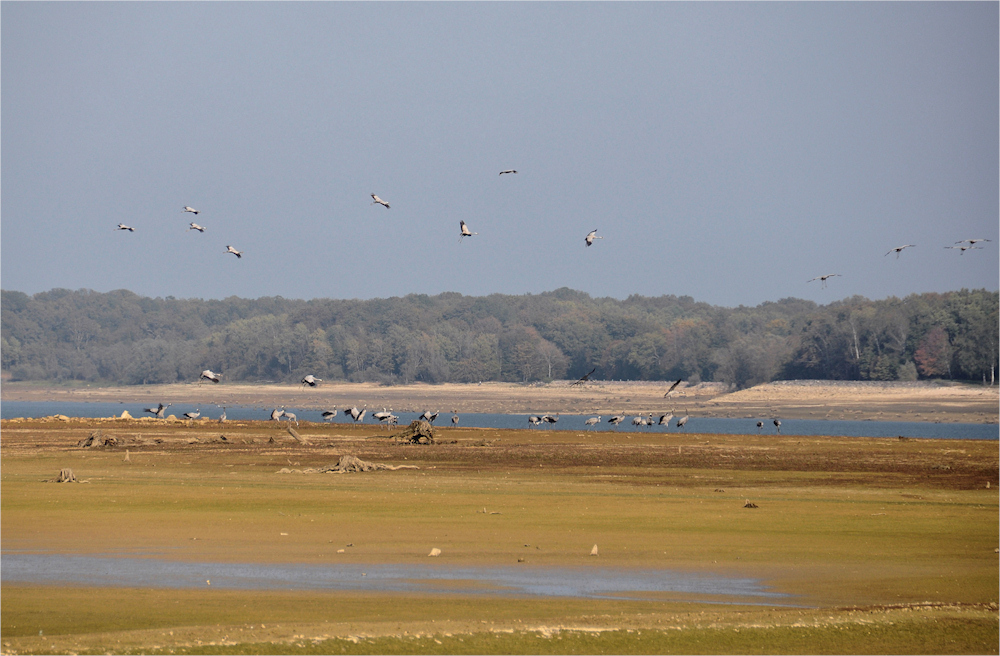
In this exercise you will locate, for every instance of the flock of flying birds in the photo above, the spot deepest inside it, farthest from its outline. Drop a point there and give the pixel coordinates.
(191, 226)
(388, 418)
(961, 246)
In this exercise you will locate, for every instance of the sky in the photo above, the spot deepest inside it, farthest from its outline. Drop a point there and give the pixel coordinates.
(725, 151)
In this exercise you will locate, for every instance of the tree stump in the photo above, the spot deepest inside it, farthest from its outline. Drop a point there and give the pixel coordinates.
(66, 475)
(418, 432)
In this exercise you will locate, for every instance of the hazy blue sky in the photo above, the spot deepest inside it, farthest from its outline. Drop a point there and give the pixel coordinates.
(728, 152)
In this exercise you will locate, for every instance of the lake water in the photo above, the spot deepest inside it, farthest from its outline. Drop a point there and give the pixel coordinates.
(717, 425)
(581, 582)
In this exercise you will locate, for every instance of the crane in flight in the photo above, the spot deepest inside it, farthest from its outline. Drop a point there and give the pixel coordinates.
(122, 226)
(464, 230)
(972, 242)
(190, 209)
(158, 412)
(376, 199)
(585, 378)
(508, 171)
(310, 380)
(899, 249)
(673, 387)
(591, 236)
(966, 248)
(195, 226)
(238, 254)
(208, 374)
(823, 279)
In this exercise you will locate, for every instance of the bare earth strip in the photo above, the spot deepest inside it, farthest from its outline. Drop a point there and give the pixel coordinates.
(884, 545)
(893, 401)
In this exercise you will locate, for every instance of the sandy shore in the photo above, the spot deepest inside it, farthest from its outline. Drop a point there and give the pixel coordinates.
(924, 401)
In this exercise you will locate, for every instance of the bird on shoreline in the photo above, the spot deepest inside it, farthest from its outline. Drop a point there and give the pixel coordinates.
(777, 424)
(534, 420)
(665, 419)
(617, 419)
(683, 420)
(376, 199)
(193, 415)
(592, 421)
(328, 415)
(158, 412)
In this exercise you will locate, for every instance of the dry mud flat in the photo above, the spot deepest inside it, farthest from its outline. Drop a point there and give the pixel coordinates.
(884, 545)
(893, 401)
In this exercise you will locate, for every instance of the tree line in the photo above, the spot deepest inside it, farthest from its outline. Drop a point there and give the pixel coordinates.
(121, 337)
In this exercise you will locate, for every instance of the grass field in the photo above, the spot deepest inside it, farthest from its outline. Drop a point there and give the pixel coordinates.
(883, 546)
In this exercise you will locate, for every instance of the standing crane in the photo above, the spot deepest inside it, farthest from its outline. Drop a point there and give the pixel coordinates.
(592, 421)
(683, 420)
(777, 424)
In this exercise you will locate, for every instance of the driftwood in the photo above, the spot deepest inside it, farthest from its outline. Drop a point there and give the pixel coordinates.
(298, 438)
(347, 464)
(97, 439)
(418, 432)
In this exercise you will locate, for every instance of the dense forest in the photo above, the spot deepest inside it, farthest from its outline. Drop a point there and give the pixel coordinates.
(121, 337)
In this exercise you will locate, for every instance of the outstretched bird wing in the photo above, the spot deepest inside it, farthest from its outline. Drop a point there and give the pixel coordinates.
(673, 387)
(585, 378)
